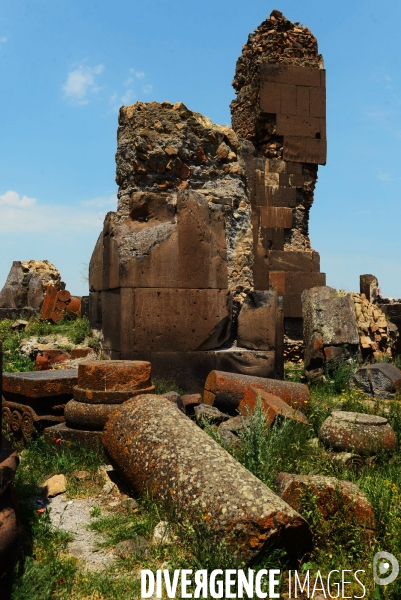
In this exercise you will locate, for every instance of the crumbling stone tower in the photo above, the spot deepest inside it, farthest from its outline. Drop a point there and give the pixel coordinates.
(211, 225)
(280, 111)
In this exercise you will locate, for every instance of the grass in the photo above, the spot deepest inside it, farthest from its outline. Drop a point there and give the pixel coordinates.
(338, 542)
(76, 330)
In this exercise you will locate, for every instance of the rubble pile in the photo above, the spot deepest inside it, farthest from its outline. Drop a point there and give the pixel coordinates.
(378, 336)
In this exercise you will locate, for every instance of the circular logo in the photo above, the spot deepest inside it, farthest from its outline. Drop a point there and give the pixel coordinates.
(382, 562)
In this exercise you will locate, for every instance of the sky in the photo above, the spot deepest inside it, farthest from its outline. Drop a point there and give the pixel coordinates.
(66, 66)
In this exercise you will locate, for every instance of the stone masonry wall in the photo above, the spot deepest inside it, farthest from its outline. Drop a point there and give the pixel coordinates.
(280, 110)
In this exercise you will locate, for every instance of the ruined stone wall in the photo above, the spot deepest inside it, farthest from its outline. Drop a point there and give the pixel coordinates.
(174, 265)
(280, 112)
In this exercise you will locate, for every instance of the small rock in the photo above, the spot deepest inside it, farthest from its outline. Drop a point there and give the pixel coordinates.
(235, 424)
(128, 548)
(82, 475)
(114, 503)
(19, 324)
(130, 503)
(209, 413)
(55, 485)
(108, 487)
(175, 398)
(230, 438)
(162, 534)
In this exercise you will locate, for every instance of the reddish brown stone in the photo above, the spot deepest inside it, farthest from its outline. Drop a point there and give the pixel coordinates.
(45, 359)
(40, 384)
(191, 400)
(272, 405)
(177, 319)
(153, 446)
(80, 352)
(227, 390)
(114, 375)
(87, 416)
(109, 396)
(257, 321)
(63, 435)
(277, 281)
(356, 432)
(332, 496)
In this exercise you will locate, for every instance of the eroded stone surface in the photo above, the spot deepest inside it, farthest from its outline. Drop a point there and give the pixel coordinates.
(227, 391)
(380, 380)
(273, 407)
(331, 494)
(154, 446)
(356, 432)
(87, 416)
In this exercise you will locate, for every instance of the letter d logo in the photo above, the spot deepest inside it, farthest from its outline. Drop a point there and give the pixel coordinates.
(386, 560)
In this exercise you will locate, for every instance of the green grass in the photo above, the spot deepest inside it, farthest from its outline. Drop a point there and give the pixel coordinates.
(338, 542)
(76, 330)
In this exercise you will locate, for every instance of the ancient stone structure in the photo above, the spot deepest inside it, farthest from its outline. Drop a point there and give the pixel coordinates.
(211, 224)
(102, 385)
(330, 330)
(156, 448)
(346, 431)
(35, 399)
(26, 286)
(10, 531)
(227, 391)
(280, 116)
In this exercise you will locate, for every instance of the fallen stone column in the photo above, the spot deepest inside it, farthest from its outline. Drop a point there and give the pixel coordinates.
(161, 452)
(227, 391)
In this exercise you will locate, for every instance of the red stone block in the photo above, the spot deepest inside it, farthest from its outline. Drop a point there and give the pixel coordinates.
(288, 100)
(317, 106)
(40, 384)
(272, 216)
(302, 94)
(227, 390)
(277, 280)
(270, 97)
(46, 359)
(273, 407)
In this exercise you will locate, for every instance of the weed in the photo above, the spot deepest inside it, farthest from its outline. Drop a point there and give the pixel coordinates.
(166, 385)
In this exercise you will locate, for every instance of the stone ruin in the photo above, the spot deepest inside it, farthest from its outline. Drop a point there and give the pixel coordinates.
(209, 246)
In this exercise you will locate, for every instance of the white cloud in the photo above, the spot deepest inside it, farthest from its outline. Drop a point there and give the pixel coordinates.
(147, 89)
(25, 215)
(3, 39)
(384, 176)
(138, 74)
(81, 82)
(11, 198)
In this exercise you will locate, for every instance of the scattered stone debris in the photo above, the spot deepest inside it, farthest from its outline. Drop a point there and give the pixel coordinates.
(274, 407)
(380, 380)
(137, 546)
(162, 534)
(227, 391)
(378, 336)
(54, 485)
(332, 496)
(153, 445)
(357, 432)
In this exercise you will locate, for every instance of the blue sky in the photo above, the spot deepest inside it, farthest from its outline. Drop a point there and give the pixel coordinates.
(67, 65)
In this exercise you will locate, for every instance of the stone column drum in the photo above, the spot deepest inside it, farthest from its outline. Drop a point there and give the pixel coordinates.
(102, 386)
(163, 453)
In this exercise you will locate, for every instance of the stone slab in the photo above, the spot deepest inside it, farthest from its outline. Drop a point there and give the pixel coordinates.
(68, 435)
(40, 384)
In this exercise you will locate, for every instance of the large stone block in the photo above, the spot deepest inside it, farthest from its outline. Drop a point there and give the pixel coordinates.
(40, 384)
(152, 444)
(257, 321)
(378, 380)
(227, 390)
(178, 319)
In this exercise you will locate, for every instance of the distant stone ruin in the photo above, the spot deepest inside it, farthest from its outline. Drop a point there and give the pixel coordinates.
(211, 228)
